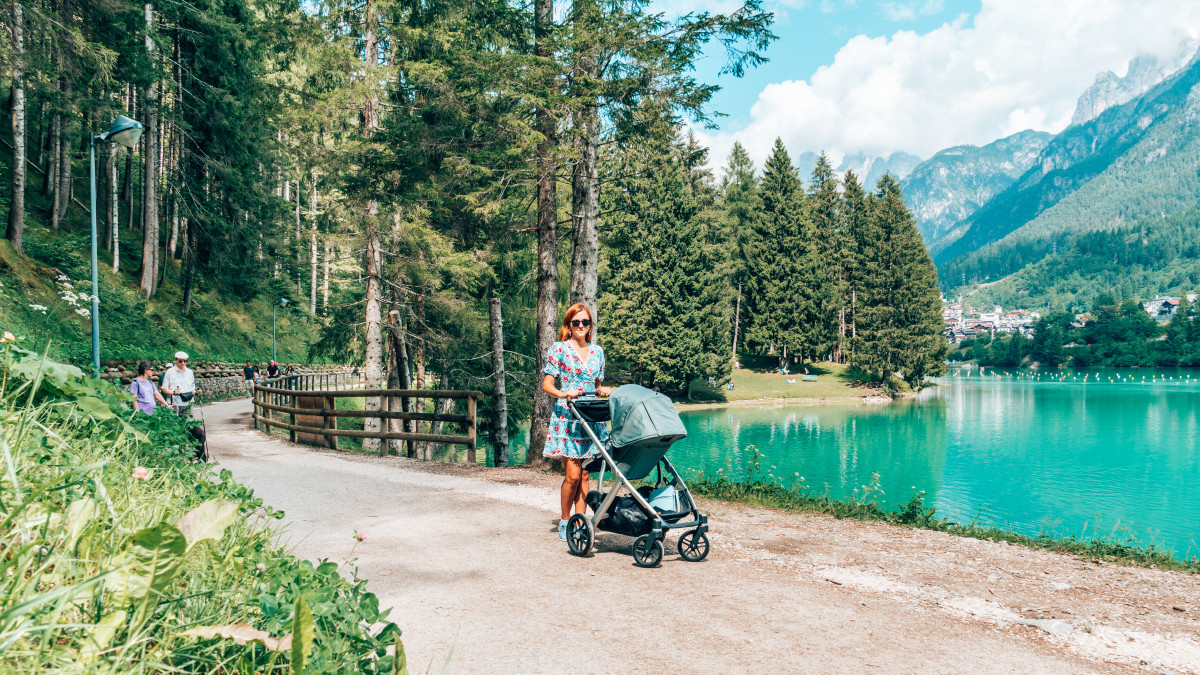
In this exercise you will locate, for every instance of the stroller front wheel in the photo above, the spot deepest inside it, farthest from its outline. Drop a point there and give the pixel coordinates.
(693, 546)
(647, 551)
(580, 535)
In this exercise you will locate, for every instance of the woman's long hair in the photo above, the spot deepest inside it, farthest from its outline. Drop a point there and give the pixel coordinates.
(565, 331)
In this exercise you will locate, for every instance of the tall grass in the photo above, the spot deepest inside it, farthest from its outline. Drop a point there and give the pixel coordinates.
(118, 552)
(769, 491)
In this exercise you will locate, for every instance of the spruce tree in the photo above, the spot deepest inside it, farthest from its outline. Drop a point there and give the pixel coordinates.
(740, 202)
(777, 295)
(825, 268)
(853, 214)
(900, 319)
(664, 308)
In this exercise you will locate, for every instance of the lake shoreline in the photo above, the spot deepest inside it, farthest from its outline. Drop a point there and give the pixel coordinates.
(777, 402)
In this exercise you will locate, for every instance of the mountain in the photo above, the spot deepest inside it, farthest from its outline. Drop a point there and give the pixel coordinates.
(1144, 71)
(870, 168)
(1133, 148)
(1134, 165)
(948, 187)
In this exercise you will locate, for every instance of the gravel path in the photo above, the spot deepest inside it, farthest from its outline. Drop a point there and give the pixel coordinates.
(470, 562)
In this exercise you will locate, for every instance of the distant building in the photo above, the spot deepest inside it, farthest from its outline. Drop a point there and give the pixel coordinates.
(1163, 307)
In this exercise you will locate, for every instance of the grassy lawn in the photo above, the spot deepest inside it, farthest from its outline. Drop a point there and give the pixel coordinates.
(759, 378)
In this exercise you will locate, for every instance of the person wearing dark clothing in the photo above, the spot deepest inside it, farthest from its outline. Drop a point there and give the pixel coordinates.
(250, 376)
(273, 370)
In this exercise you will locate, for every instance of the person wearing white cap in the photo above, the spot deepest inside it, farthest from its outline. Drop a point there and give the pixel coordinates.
(180, 384)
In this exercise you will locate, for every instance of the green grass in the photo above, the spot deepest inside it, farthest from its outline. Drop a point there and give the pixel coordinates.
(120, 555)
(770, 492)
(759, 378)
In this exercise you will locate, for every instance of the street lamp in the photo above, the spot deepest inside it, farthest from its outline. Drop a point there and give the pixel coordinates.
(282, 302)
(124, 132)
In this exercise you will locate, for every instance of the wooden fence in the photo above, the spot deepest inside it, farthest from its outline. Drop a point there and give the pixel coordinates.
(310, 403)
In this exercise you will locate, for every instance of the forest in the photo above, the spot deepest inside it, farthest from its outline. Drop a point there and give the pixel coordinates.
(389, 167)
(1112, 334)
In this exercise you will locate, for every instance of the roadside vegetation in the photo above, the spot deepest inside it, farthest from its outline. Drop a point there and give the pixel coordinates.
(119, 553)
(759, 378)
(757, 489)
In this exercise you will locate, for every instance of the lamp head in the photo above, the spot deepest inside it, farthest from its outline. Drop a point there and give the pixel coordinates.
(283, 302)
(124, 131)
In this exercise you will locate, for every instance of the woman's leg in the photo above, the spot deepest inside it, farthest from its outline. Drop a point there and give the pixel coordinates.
(582, 490)
(570, 485)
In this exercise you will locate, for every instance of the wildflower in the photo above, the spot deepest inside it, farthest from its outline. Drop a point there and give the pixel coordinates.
(84, 312)
(37, 308)
(260, 567)
(359, 536)
(141, 473)
(9, 337)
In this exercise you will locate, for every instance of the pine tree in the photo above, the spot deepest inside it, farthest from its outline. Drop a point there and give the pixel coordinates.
(900, 319)
(778, 296)
(740, 201)
(663, 307)
(854, 212)
(830, 245)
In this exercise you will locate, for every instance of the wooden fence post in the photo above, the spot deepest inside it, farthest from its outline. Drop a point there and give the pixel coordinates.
(471, 429)
(292, 432)
(499, 392)
(329, 421)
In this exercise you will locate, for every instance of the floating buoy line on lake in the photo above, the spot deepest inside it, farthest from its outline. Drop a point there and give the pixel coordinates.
(1094, 377)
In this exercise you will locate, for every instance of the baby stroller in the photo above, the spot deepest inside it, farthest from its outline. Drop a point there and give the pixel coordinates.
(644, 425)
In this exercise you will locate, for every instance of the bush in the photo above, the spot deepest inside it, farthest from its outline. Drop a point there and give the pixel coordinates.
(122, 553)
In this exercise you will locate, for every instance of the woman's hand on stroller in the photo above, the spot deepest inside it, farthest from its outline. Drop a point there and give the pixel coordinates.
(572, 393)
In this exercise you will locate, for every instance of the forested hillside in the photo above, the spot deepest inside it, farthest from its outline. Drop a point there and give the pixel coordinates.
(1123, 175)
(389, 167)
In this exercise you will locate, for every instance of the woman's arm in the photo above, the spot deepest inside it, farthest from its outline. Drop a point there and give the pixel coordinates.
(159, 397)
(554, 392)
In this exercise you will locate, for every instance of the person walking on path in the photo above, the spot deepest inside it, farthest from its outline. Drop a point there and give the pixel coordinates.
(144, 390)
(578, 365)
(273, 370)
(180, 383)
(250, 374)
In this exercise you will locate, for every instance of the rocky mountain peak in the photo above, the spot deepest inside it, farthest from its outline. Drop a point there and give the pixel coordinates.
(1144, 71)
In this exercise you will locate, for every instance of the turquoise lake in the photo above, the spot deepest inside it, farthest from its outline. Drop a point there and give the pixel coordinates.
(1055, 455)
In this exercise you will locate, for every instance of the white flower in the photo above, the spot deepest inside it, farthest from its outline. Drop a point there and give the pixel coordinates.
(260, 567)
(8, 337)
(84, 312)
(37, 307)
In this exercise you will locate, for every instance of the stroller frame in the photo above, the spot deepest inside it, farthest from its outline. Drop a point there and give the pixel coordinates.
(648, 548)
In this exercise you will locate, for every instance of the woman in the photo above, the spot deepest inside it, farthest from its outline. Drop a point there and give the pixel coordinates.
(579, 366)
(144, 390)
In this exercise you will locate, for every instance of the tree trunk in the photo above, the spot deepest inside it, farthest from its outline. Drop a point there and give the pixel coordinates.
(312, 251)
(127, 183)
(43, 138)
(114, 210)
(325, 282)
(16, 209)
(50, 184)
(149, 282)
(373, 368)
(547, 224)
(499, 391)
(62, 192)
(585, 186)
(398, 374)
(737, 315)
(299, 246)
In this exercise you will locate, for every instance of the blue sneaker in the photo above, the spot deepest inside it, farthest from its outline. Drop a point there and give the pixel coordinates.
(562, 530)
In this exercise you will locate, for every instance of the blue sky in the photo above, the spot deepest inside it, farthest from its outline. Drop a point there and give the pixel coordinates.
(881, 76)
(810, 36)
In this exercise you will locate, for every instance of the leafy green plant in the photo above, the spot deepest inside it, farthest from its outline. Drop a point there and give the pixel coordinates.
(119, 552)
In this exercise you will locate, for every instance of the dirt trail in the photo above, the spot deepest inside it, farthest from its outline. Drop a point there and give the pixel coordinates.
(469, 560)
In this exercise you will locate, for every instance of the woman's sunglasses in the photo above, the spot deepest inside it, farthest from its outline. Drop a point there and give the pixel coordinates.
(581, 323)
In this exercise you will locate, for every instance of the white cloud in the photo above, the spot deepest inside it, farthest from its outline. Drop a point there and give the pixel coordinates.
(1017, 64)
(908, 11)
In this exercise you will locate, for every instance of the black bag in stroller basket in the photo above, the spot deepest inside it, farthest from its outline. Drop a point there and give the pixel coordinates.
(625, 516)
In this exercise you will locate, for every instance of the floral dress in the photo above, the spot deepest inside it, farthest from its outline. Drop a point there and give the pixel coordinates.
(567, 438)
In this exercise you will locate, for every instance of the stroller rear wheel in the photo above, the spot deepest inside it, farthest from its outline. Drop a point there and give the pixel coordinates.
(580, 535)
(647, 551)
(693, 546)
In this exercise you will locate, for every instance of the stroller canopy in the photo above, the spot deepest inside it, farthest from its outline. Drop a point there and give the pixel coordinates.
(641, 417)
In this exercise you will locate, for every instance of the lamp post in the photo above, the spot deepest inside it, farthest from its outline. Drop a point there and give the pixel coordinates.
(282, 302)
(124, 132)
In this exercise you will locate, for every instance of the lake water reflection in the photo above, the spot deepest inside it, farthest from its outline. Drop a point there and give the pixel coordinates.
(1039, 456)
